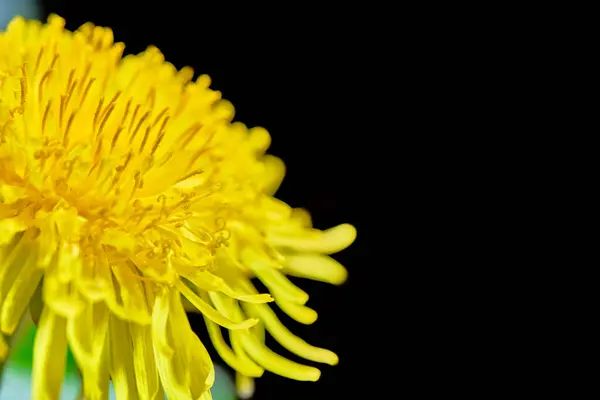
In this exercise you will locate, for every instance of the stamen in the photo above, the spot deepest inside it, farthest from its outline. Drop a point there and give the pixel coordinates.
(126, 113)
(70, 79)
(38, 60)
(66, 135)
(70, 166)
(145, 139)
(115, 138)
(86, 90)
(137, 128)
(160, 137)
(97, 113)
(70, 94)
(61, 110)
(42, 81)
(105, 118)
(135, 111)
(45, 117)
(189, 134)
(86, 72)
(54, 60)
(160, 115)
(23, 82)
(112, 103)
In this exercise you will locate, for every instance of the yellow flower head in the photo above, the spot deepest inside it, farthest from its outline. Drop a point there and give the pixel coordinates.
(126, 193)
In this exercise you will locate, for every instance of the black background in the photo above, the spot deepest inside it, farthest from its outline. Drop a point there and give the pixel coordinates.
(297, 71)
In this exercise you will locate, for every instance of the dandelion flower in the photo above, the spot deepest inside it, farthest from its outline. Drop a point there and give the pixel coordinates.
(126, 192)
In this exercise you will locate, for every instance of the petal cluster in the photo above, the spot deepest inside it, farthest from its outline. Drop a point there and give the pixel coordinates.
(128, 195)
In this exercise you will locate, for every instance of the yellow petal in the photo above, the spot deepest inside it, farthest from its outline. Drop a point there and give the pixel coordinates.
(148, 381)
(227, 306)
(69, 262)
(253, 345)
(206, 396)
(210, 312)
(201, 368)
(12, 257)
(287, 339)
(95, 376)
(316, 267)
(232, 359)
(174, 370)
(235, 362)
(106, 280)
(275, 172)
(157, 180)
(122, 241)
(49, 356)
(259, 139)
(231, 309)
(132, 293)
(278, 284)
(275, 363)
(87, 344)
(281, 287)
(120, 363)
(160, 321)
(21, 291)
(303, 217)
(48, 239)
(91, 281)
(275, 210)
(60, 291)
(69, 224)
(298, 312)
(10, 227)
(63, 298)
(10, 194)
(206, 281)
(327, 242)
